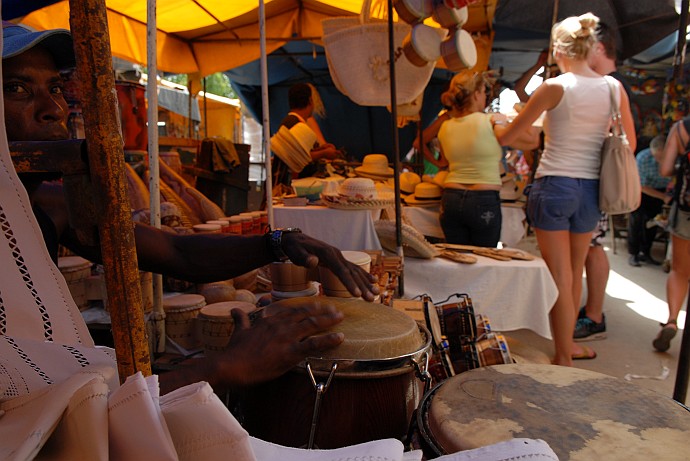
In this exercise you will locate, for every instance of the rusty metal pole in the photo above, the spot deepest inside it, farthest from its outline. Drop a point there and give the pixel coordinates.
(89, 26)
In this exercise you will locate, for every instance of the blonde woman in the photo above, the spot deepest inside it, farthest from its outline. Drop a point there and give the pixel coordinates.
(470, 205)
(562, 204)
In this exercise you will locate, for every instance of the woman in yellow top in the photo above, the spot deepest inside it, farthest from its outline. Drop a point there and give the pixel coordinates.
(471, 206)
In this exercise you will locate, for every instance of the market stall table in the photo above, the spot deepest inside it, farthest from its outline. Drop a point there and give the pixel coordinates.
(513, 294)
(425, 220)
(344, 229)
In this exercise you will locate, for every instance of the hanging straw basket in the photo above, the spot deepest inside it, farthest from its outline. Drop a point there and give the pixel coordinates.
(358, 60)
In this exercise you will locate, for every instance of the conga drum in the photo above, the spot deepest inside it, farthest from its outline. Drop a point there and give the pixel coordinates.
(367, 388)
(582, 415)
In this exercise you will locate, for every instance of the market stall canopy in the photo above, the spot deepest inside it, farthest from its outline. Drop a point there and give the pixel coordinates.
(208, 36)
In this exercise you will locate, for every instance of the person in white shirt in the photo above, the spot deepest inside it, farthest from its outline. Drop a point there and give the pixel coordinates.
(563, 200)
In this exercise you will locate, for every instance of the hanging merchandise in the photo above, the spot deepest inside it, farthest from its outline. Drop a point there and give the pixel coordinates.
(358, 60)
(459, 51)
(423, 44)
(413, 11)
(449, 17)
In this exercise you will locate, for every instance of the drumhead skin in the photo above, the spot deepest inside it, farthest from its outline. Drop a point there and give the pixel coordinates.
(581, 414)
(372, 330)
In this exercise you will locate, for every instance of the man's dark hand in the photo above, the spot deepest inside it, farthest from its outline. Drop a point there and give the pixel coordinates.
(309, 252)
(276, 342)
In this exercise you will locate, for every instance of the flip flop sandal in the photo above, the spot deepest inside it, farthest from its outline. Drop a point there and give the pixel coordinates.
(587, 354)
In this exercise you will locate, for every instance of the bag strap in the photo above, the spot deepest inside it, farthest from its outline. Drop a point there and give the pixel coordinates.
(379, 8)
(617, 125)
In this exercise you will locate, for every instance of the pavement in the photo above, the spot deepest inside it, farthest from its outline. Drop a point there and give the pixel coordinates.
(634, 305)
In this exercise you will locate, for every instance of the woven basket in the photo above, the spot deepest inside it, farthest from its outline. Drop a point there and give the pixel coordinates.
(357, 56)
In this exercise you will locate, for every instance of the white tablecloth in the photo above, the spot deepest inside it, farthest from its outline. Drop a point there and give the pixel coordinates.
(344, 229)
(425, 220)
(513, 294)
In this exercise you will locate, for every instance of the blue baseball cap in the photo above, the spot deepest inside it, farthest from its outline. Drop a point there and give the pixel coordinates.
(17, 38)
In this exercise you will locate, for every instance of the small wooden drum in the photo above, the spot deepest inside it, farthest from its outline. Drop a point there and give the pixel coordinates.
(366, 389)
(76, 270)
(180, 312)
(217, 323)
(483, 325)
(289, 277)
(493, 350)
(579, 413)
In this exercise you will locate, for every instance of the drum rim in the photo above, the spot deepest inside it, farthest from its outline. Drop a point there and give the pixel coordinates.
(321, 364)
(422, 420)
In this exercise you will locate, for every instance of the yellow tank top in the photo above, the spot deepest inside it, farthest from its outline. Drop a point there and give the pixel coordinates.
(473, 153)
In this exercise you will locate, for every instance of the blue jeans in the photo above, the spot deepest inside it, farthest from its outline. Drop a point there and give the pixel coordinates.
(471, 217)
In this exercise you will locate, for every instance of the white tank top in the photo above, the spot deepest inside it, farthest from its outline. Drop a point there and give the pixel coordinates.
(575, 129)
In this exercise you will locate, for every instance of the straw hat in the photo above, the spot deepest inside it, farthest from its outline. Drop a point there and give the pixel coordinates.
(408, 181)
(413, 242)
(357, 193)
(305, 136)
(289, 149)
(425, 194)
(358, 189)
(375, 166)
(440, 177)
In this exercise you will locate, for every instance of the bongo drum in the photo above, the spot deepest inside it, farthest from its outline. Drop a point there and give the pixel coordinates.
(366, 389)
(457, 322)
(483, 325)
(76, 270)
(579, 413)
(453, 330)
(493, 350)
(217, 323)
(289, 277)
(180, 312)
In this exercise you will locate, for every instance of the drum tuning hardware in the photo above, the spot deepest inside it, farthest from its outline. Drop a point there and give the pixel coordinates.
(320, 389)
(424, 375)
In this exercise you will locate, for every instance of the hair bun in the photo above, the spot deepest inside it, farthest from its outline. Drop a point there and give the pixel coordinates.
(588, 24)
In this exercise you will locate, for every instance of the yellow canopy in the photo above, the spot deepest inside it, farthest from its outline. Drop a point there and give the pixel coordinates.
(208, 36)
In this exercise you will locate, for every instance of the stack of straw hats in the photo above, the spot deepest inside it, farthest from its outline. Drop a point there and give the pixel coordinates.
(425, 194)
(357, 193)
(293, 145)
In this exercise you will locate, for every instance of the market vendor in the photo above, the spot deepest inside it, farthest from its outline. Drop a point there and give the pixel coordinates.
(35, 110)
(301, 102)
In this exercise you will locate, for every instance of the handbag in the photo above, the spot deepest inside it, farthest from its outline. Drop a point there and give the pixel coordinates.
(620, 190)
(358, 59)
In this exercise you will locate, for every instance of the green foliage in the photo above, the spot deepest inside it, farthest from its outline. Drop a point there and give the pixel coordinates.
(219, 84)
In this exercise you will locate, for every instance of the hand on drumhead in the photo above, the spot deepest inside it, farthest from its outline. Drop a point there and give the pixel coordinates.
(277, 342)
(309, 252)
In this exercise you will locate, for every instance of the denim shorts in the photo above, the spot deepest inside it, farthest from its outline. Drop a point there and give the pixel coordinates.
(557, 203)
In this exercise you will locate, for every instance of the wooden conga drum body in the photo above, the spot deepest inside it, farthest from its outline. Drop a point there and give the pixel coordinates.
(581, 414)
(373, 392)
